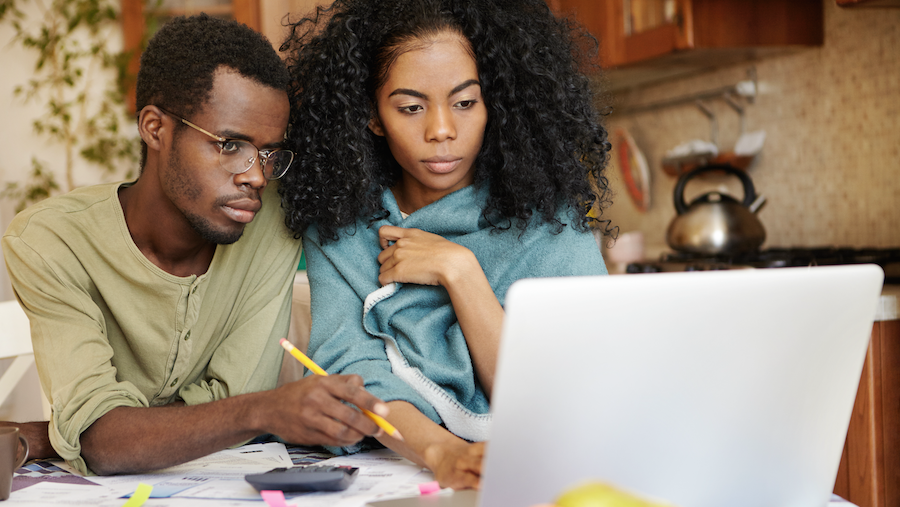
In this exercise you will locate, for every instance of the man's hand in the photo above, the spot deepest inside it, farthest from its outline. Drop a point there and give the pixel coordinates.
(310, 411)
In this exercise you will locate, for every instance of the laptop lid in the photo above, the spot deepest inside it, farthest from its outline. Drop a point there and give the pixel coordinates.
(703, 389)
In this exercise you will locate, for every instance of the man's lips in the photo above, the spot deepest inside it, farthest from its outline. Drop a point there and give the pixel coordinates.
(242, 210)
(442, 165)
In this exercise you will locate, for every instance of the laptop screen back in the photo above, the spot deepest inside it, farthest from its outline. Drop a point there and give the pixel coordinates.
(701, 389)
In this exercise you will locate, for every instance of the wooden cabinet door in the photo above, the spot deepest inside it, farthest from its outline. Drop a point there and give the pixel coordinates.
(869, 474)
(673, 34)
(624, 41)
(134, 24)
(718, 25)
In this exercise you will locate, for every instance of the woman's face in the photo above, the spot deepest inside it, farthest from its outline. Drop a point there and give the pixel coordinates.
(431, 113)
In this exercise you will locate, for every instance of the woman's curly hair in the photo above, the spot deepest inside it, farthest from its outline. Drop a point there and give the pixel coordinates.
(544, 145)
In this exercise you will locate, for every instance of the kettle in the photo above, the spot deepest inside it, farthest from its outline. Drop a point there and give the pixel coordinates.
(716, 223)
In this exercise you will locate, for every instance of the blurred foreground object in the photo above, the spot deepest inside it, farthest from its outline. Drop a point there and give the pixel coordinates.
(598, 494)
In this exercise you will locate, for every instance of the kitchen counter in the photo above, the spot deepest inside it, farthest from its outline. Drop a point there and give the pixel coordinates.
(889, 304)
(870, 467)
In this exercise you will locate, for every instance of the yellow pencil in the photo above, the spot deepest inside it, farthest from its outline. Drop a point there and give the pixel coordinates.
(313, 367)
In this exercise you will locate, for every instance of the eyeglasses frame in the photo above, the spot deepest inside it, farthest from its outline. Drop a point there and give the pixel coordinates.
(262, 155)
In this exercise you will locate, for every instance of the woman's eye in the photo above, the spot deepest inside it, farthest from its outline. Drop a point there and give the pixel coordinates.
(466, 104)
(415, 108)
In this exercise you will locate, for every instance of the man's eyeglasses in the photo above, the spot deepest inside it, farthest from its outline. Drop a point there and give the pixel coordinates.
(237, 156)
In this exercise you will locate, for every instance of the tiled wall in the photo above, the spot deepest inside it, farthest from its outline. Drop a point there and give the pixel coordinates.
(830, 168)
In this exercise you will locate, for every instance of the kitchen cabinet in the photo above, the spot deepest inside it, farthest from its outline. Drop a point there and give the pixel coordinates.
(642, 41)
(134, 12)
(869, 473)
(135, 24)
(264, 16)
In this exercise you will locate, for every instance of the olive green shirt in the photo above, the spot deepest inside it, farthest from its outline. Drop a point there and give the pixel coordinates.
(112, 329)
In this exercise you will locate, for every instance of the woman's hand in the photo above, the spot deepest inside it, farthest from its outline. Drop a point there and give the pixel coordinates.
(455, 463)
(416, 256)
(458, 466)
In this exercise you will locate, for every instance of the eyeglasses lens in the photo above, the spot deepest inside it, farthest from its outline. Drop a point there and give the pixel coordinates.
(237, 157)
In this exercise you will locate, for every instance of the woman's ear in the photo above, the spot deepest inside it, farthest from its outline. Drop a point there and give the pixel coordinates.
(150, 126)
(375, 126)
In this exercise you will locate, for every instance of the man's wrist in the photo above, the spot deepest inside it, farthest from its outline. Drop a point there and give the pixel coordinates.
(252, 411)
(38, 436)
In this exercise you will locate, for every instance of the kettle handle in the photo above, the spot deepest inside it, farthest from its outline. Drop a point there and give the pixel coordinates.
(749, 191)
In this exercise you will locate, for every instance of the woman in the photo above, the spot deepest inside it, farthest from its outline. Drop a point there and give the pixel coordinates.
(446, 148)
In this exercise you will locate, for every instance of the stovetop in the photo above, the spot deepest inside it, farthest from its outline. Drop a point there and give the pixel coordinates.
(887, 258)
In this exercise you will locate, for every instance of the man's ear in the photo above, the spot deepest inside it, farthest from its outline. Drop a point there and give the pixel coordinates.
(150, 126)
(375, 126)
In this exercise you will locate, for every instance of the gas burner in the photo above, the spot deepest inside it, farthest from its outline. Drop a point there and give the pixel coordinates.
(778, 257)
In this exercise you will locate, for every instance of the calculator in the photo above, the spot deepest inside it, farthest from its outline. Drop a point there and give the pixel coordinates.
(304, 478)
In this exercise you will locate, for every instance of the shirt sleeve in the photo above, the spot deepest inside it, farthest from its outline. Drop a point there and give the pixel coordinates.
(69, 336)
(77, 358)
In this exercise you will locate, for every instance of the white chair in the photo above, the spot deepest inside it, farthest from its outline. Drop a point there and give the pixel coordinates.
(15, 342)
(301, 324)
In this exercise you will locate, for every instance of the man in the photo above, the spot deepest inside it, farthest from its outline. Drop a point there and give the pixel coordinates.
(155, 328)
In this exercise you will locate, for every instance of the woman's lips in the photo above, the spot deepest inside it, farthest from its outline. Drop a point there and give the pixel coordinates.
(442, 165)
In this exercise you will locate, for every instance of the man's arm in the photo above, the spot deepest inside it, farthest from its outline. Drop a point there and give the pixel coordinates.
(309, 411)
(38, 438)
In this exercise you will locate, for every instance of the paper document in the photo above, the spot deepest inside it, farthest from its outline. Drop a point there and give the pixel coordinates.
(218, 479)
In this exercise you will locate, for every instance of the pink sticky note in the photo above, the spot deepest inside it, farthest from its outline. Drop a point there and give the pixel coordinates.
(428, 488)
(273, 498)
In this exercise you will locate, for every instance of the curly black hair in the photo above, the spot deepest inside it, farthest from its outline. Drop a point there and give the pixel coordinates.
(178, 66)
(544, 145)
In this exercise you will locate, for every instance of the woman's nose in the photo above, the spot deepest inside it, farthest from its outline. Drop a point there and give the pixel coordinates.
(440, 125)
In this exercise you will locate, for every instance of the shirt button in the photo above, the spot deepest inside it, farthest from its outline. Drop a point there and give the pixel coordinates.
(174, 382)
(194, 289)
(188, 335)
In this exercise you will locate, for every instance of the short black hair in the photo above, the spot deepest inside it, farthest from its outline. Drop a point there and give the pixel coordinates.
(180, 61)
(545, 147)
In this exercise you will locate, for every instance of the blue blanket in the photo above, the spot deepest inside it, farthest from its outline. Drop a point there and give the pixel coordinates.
(404, 339)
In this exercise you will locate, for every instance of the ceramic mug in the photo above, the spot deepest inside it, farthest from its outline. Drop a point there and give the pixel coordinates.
(9, 447)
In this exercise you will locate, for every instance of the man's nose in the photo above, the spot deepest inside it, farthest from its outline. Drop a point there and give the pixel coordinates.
(254, 176)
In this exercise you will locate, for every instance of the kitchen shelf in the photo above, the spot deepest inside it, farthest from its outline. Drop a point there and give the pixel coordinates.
(743, 89)
(868, 3)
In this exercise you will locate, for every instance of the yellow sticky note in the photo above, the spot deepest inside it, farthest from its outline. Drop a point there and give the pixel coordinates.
(140, 495)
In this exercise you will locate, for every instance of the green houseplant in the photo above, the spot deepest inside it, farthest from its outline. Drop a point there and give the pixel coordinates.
(80, 84)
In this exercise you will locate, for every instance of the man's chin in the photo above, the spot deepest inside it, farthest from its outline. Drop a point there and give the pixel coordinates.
(224, 238)
(217, 236)
(224, 235)
(227, 240)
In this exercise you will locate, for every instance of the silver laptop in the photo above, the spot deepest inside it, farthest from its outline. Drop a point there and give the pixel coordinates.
(729, 388)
